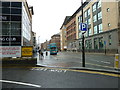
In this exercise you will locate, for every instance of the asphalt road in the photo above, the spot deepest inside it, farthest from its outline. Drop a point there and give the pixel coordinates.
(70, 59)
(39, 77)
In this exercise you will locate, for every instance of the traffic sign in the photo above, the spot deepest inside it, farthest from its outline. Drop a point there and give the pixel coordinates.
(83, 27)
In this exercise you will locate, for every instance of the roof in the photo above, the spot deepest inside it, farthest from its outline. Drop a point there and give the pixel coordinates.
(65, 21)
(78, 10)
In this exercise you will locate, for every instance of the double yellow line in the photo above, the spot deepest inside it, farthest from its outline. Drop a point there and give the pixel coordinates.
(73, 70)
(85, 71)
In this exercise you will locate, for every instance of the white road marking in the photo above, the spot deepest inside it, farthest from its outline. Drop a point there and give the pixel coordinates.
(20, 83)
(51, 70)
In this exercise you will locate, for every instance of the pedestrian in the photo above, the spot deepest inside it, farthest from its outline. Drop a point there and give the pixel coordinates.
(42, 56)
(46, 53)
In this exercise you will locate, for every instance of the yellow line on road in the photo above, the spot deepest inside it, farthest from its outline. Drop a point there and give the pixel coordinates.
(85, 71)
(72, 70)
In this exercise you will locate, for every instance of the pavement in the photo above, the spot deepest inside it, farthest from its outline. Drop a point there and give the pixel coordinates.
(62, 60)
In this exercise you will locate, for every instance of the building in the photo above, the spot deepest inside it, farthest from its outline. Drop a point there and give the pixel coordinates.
(103, 20)
(16, 21)
(63, 41)
(56, 39)
(44, 46)
(33, 40)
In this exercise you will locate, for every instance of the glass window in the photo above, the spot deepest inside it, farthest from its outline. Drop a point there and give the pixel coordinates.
(99, 15)
(15, 18)
(94, 7)
(16, 31)
(89, 21)
(86, 21)
(86, 44)
(80, 18)
(101, 43)
(95, 29)
(95, 43)
(15, 11)
(99, 4)
(89, 32)
(5, 4)
(110, 40)
(6, 10)
(90, 44)
(5, 31)
(94, 18)
(108, 9)
(100, 28)
(15, 25)
(85, 14)
(108, 24)
(0, 10)
(5, 25)
(88, 11)
(16, 4)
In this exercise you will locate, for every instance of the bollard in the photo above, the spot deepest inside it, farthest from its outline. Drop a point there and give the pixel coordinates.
(117, 62)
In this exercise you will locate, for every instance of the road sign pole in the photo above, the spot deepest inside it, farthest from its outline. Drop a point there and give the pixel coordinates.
(83, 49)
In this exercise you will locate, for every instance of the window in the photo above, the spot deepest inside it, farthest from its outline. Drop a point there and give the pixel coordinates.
(99, 15)
(86, 34)
(108, 9)
(95, 43)
(110, 40)
(99, 4)
(108, 24)
(80, 18)
(100, 28)
(5, 31)
(15, 18)
(95, 29)
(90, 44)
(5, 25)
(15, 25)
(86, 44)
(5, 4)
(89, 32)
(88, 11)
(89, 21)
(16, 31)
(0, 11)
(86, 22)
(6, 10)
(94, 7)
(94, 18)
(101, 43)
(15, 11)
(85, 14)
(16, 4)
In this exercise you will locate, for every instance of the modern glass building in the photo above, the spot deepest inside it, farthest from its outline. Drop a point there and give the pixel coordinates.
(16, 21)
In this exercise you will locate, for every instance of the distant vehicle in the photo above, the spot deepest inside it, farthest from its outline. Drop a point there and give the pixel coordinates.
(53, 49)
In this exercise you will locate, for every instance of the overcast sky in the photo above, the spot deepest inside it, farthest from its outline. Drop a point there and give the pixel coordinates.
(49, 15)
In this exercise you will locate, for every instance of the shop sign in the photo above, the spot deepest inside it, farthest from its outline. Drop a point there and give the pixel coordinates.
(3, 18)
(10, 51)
(27, 51)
